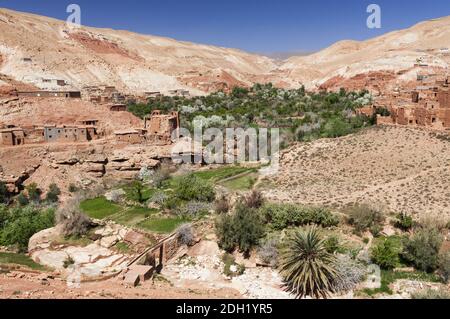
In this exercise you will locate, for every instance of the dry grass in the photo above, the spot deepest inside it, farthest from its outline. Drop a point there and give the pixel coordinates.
(399, 168)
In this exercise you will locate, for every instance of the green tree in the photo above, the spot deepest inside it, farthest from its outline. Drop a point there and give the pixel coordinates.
(243, 229)
(136, 191)
(306, 266)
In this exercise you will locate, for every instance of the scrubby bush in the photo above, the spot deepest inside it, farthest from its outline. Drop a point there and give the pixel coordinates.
(34, 193)
(190, 187)
(431, 294)
(221, 205)
(22, 199)
(73, 188)
(4, 194)
(422, 249)
(444, 266)
(351, 273)
(363, 217)
(186, 234)
(160, 175)
(386, 253)
(22, 223)
(73, 222)
(332, 244)
(281, 216)
(404, 222)
(193, 209)
(254, 200)
(159, 198)
(242, 230)
(53, 193)
(268, 251)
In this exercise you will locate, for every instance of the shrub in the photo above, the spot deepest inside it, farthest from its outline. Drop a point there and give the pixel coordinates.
(254, 200)
(422, 249)
(306, 266)
(159, 198)
(268, 252)
(332, 244)
(222, 205)
(22, 223)
(22, 199)
(73, 188)
(386, 253)
(193, 209)
(243, 229)
(69, 261)
(404, 222)
(34, 193)
(190, 187)
(444, 267)
(186, 235)
(160, 176)
(363, 217)
(281, 216)
(4, 194)
(376, 230)
(53, 193)
(73, 222)
(350, 273)
(431, 294)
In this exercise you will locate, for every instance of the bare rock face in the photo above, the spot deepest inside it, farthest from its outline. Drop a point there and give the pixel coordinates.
(93, 261)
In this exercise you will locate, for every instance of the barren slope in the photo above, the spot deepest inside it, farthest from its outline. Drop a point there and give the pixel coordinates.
(132, 62)
(395, 51)
(403, 169)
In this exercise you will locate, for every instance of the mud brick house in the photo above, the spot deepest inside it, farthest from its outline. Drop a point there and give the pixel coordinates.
(12, 136)
(130, 136)
(117, 108)
(69, 133)
(179, 92)
(48, 94)
(162, 126)
(429, 107)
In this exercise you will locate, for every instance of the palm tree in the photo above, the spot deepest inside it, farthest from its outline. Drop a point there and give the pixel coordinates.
(306, 266)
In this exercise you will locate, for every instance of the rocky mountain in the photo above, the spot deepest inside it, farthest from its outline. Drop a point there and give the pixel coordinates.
(34, 48)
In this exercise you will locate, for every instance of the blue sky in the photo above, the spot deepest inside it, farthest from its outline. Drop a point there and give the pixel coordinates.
(253, 25)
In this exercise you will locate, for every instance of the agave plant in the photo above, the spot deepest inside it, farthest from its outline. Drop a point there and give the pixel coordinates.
(306, 266)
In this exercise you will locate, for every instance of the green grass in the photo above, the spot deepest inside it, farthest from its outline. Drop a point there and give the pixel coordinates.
(218, 174)
(134, 215)
(162, 225)
(245, 182)
(99, 207)
(122, 247)
(389, 276)
(19, 259)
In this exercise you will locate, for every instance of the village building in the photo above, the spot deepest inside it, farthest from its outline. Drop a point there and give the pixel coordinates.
(162, 127)
(179, 92)
(117, 108)
(429, 106)
(12, 136)
(133, 136)
(69, 133)
(49, 94)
